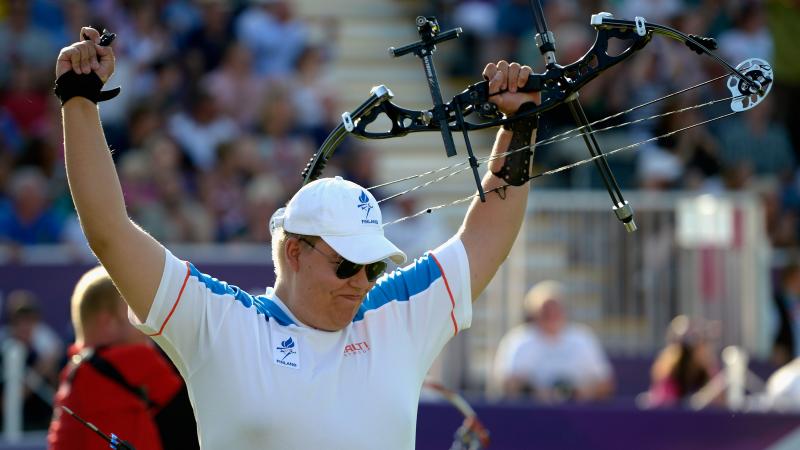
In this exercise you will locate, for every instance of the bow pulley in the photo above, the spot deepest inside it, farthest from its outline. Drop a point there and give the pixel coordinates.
(745, 95)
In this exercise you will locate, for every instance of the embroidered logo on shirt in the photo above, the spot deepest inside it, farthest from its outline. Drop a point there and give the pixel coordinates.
(356, 348)
(286, 354)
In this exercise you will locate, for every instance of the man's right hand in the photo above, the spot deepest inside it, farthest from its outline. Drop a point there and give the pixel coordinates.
(86, 56)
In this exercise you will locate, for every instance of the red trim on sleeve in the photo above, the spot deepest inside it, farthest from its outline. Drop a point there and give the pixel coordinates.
(177, 300)
(450, 293)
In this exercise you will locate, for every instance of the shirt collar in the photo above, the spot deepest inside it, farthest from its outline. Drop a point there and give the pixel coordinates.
(271, 295)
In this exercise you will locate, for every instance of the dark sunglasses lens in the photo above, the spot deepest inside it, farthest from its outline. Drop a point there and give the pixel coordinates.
(375, 270)
(347, 269)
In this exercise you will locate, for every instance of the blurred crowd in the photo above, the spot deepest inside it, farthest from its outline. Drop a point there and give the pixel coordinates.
(222, 103)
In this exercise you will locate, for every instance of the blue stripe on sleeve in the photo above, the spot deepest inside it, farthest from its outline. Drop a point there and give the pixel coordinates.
(401, 285)
(263, 305)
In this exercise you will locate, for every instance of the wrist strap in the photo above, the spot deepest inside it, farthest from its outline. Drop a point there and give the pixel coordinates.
(71, 84)
(516, 166)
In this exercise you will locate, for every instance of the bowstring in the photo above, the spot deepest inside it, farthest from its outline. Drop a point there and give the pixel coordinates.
(559, 138)
(564, 136)
(559, 169)
(637, 107)
(554, 139)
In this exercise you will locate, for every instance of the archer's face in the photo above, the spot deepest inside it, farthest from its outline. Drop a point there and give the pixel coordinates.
(327, 302)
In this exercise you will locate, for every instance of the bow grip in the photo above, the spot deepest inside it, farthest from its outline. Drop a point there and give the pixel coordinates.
(534, 84)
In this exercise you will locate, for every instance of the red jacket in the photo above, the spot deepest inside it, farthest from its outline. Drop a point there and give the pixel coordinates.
(108, 405)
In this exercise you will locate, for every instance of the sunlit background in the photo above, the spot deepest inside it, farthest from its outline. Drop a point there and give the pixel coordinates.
(223, 103)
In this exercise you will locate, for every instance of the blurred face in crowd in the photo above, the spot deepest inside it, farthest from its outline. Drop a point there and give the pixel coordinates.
(551, 317)
(29, 192)
(22, 326)
(238, 59)
(791, 280)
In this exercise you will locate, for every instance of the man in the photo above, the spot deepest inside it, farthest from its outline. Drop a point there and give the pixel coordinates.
(44, 350)
(115, 379)
(551, 358)
(331, 357)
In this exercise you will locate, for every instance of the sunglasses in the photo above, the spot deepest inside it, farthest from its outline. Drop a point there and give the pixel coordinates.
(346, 269)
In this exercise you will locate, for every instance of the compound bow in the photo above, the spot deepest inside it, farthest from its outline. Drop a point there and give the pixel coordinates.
(749, 83)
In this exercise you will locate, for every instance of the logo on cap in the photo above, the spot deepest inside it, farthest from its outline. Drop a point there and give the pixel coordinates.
(366, 206)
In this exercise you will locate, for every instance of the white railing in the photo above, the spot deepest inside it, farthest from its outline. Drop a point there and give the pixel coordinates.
(14, 355)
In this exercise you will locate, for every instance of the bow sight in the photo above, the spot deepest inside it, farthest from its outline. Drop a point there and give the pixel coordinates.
(749, 84)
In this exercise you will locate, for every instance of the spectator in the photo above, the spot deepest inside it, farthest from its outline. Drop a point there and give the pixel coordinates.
(755, 130)
(658, 11)
(787, 305)
(206, 44)
(684, 366)
(200, 130)
(22, 41)
(150, 38)
(28, 217)
(749, 38)
(513, 24)
(273, 34)
(222, 191)
(311, 90)
(283, 150)
(686, 158)
(26, 101)
(144, 120)
(137, 182)
(235, 87)
(783, 388)
(44, 349)
(263, 196)
(550, 357)
(116, 379)
(177, 217)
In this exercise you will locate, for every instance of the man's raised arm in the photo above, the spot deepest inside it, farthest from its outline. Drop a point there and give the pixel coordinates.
(134, 260)
(490, 229)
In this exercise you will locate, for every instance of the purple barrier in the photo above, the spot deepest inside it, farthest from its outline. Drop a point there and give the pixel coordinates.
(53, 285)
(525, 427)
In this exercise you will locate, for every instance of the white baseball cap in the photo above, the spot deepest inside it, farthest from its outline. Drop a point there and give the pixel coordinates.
(345, 215)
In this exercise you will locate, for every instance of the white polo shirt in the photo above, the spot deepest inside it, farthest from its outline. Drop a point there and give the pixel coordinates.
(574, 357)
(260, 379)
